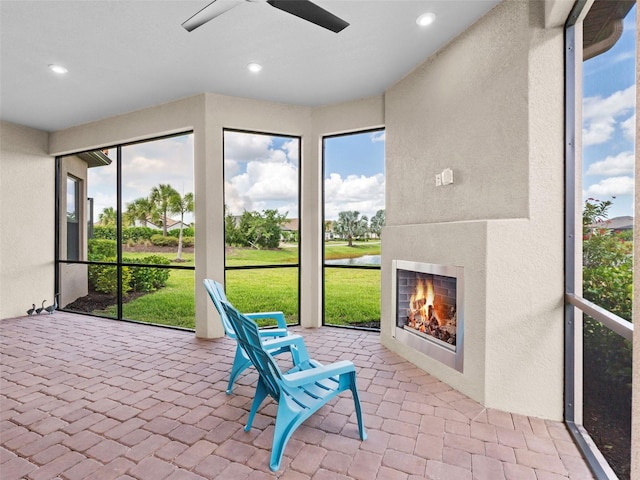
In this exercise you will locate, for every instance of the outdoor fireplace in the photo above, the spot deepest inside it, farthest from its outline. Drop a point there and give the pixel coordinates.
(429, 309)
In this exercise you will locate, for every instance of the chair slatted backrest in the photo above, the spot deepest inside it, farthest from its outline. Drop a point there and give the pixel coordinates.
(248, 335)
(216, 292)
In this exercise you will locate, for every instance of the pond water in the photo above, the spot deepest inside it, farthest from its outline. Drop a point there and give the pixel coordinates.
(362, 260)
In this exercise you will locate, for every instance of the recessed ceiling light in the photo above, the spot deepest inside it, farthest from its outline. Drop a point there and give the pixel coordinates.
(426, 19)
(254, 67)
(60, 70)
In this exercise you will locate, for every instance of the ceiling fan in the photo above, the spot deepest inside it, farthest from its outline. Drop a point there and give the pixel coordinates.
(300, 8)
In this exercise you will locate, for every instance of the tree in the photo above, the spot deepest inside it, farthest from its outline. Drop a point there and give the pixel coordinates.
(161, 197)
(260, 230)
(607, 281)
(377, 222)
(349, 225)
(108, 217)
(141, 210)
(181, 205)
(231, 232)
(607, 262)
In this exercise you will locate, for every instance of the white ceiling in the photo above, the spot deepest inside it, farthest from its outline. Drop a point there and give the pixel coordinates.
(126, 55)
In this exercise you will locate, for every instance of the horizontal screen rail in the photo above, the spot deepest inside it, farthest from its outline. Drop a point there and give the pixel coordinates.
(361, 267)
(257, 267)
(608, 319)
(127, 264)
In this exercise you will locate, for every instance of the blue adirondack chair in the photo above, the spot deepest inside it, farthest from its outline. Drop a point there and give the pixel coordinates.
(300, 393)
(277, 340)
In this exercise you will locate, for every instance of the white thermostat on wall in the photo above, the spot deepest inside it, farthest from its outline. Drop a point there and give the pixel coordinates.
(447, 176)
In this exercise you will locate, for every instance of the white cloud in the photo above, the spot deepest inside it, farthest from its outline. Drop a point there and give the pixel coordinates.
(244, 147)
(611, 187)
(629, 128)
(361, 193)
(231, 168)
(264, 185)
(621, 164)
(600, 114)
(259, 176)
(622, 56)
(378, 136)
(292, 149)
(102, 201)
(597, 132)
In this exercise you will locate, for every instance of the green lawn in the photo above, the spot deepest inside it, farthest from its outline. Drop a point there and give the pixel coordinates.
(172, 305)
(352, 295)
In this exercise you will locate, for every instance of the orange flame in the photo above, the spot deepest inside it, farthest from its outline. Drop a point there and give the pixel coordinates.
(424, 291)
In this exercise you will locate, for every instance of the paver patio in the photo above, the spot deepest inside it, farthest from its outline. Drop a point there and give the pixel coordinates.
(84, 397)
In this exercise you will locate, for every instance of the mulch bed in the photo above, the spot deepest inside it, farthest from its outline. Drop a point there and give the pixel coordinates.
(99, 301)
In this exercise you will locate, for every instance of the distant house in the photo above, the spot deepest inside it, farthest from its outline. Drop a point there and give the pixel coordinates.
(157, 225)
(616, 224)
(289, 229)
(291, 225)
(328, 230)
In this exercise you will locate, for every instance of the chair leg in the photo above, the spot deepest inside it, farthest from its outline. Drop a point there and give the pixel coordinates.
(356, 401)
(286, 423)
(240, 364)
(260, 395)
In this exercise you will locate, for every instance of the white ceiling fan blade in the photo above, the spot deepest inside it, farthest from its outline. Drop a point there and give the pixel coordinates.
(215, 8)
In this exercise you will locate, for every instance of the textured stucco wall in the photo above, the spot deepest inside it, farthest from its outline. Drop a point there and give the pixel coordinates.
(27, 218)
(489, 106)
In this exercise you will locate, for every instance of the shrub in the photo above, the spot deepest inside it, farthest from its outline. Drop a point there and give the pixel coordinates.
(104, 278)
(100, 249)
(137, 234)
(160, 241)
(109, 233)
(187, 241)
(148, 279)
(186, 232)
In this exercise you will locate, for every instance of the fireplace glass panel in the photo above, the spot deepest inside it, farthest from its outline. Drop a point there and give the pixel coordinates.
(427, 306)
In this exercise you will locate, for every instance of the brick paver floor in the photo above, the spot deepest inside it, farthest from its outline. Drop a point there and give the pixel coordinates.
(89, 398)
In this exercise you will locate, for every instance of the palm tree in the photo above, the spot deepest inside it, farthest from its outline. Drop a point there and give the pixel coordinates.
(161, 197)
(108, 217)
(181, 205)
(140, 209)
(349, 225)
(377, 222)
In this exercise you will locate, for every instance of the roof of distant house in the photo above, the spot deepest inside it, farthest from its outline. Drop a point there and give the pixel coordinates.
(617, 223)
(291, 224)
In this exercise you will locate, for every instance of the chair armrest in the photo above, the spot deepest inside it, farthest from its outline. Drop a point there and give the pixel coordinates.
(273, 332)
(279, 316)
(305, 377)
(295, 343)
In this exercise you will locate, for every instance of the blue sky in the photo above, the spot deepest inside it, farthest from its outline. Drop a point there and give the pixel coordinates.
(609, 123)
(354, 174)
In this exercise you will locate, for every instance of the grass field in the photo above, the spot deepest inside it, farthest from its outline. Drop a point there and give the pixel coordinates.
(352, 295)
